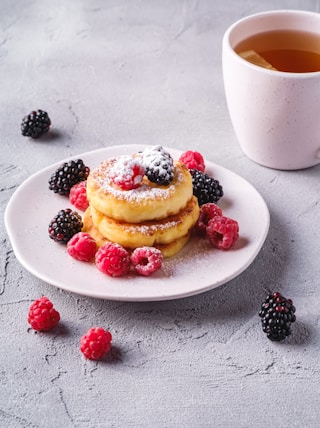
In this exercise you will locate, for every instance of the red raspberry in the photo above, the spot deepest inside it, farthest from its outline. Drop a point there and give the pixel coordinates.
(95, 343)
(78, 196)
(207, 212)
(42, 316)
(113, 259)
(146, 260)
(82, 247)
(222, 232)
(193, 160)
(127, 173)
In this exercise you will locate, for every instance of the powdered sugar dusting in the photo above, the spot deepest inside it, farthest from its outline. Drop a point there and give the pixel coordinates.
(124, 171)
(197, 252)
(159, 165)
(150, 229)
(146, 191)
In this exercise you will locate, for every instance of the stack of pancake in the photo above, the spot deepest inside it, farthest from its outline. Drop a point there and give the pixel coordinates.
(149, 215)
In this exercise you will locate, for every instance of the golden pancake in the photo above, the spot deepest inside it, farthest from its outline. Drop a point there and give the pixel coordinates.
(149, 233)
(147, 202)
(167, 250)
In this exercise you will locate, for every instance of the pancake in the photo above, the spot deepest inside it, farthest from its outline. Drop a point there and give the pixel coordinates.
(149, 233)
(147, 202)
(167, 250)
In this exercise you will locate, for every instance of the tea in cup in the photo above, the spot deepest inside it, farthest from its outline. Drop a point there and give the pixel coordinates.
(271, 72)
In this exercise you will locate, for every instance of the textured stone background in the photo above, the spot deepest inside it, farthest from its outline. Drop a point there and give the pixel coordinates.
(121, 72)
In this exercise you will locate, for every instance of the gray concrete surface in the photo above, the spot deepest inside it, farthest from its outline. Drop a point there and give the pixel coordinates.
(116, 72)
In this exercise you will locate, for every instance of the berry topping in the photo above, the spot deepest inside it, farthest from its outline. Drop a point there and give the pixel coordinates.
(112, 259)
(78, 196)
(277, 313)
(95, 343)
(64, 225)
(222, 232)
(207, 212)
(82, 247)
(205, 188)
(42, 316)
(35, 124)
(127, 173)
(67, 175)
(158, 165)
(193, 160)
(146, 260)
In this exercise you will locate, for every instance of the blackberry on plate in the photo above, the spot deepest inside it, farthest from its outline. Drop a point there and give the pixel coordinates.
(67, 175)
(35, 124)
(205, 188)
(64, 225)
(158, 165)
(277, 313)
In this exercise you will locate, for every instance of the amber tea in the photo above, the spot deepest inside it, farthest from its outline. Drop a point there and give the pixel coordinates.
(285, 50)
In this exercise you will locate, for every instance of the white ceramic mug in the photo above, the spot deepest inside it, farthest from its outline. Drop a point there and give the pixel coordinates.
(275, 114)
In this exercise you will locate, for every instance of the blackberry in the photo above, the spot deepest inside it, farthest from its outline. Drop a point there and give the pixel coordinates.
(205, 188)
(67, 175)
(158, 165)
(35, 124)
(64, 225)
(277, 314)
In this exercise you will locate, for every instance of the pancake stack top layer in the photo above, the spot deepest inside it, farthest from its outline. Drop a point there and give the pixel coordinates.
(147, 202)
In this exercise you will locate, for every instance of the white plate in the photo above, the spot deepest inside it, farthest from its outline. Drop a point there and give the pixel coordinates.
(197, 268)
